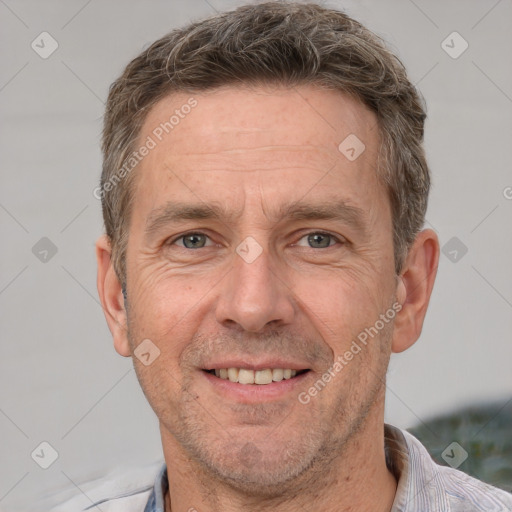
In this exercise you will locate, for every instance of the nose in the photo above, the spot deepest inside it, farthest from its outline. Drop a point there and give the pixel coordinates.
(254, 297)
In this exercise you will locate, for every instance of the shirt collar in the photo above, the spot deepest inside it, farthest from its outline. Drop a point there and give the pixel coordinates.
(399, 459)
(156, 501)
(419, 479)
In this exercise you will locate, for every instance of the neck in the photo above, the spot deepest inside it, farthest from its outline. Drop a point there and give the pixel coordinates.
(356, 478)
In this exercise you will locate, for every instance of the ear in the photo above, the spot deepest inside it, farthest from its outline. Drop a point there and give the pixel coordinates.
(414, 289)
(111, 296)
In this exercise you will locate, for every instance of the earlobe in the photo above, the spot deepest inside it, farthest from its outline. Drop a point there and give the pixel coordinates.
(111, 296)
(414, 289)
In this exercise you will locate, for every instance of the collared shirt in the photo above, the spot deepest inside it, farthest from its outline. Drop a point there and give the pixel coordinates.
(423, 486)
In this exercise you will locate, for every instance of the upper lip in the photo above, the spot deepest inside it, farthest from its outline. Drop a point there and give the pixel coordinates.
(252, 363)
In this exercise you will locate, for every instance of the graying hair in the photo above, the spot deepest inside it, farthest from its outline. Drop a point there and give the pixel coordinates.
(286, 44)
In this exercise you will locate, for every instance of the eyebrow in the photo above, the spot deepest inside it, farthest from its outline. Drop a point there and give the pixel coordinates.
(174, 212)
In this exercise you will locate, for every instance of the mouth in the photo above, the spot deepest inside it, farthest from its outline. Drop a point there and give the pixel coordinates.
(253, 377)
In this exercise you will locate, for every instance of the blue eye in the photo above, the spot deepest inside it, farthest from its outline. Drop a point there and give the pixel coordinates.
(314, 240)
(319, 240)
(193, 240)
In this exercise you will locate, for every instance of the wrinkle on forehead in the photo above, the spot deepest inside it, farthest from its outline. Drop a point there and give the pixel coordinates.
(232, 140)
(263, 158)
(288, 115)
(276, 147)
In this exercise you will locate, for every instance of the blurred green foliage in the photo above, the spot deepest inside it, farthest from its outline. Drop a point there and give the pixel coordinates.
(484, 431)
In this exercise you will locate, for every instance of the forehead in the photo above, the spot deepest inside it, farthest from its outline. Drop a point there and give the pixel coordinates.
(234, 118)
(268, 141)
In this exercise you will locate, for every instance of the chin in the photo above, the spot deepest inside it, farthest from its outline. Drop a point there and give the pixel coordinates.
(264, 463)
(260, 470)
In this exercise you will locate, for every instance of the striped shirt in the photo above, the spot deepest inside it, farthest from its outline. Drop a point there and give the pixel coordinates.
(423, 486)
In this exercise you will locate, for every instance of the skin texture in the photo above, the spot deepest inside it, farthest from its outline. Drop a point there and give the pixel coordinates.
(254, 152)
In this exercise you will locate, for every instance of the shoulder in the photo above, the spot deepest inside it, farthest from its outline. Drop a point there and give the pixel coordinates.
(461, 492)
(467, 494)
(427, 486)
(128, 491)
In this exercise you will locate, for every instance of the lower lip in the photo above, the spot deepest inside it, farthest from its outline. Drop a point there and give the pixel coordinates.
(252, 393)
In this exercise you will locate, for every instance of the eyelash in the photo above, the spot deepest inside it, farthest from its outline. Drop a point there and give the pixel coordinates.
(324, 233)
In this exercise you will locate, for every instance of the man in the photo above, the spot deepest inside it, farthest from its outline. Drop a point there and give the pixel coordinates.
(264, 189)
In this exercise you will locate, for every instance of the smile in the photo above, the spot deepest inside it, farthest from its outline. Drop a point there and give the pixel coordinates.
(257, 377)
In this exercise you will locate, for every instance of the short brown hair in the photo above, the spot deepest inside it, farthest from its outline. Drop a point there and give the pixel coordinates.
(279, 43)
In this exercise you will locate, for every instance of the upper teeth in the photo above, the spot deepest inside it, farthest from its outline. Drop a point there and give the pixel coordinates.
(244, 376)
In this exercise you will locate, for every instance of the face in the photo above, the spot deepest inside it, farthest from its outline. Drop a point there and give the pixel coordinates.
(257, 247)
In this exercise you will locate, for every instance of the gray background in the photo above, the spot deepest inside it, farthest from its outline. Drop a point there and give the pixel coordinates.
(62, 381)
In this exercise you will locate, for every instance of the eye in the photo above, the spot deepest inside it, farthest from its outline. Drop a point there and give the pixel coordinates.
(192, 241)
(318, 240)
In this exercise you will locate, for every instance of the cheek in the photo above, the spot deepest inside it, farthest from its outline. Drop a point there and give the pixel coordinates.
(341, 307)
(158, 323)
(167, 309)
(165, 305)
(162, 386)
